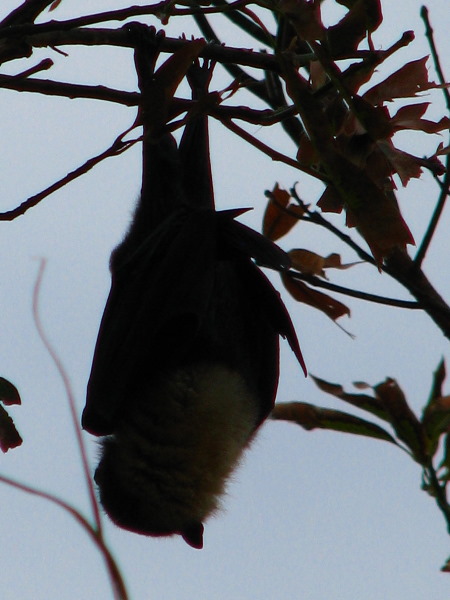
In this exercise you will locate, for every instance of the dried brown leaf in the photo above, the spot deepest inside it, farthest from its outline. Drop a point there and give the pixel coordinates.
(303, 293)
(407, 82)
(280, 216)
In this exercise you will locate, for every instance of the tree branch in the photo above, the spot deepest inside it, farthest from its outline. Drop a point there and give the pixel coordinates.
(315, 281)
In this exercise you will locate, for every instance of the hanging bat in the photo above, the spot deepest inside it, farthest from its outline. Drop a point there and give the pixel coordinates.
(185, 367)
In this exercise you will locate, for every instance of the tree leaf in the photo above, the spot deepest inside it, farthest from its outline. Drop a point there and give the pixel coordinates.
(405, 423)
(436, 414)
(407, 82)
(311, 263)
(365, 402)
(303, 293)
(311, 417)
(304, 17)
(364, 16)
(280, 216)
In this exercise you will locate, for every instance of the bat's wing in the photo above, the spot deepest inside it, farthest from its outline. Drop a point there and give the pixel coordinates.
(157, 296)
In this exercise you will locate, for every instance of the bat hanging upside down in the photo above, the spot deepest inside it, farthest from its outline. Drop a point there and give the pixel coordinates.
(185, 368)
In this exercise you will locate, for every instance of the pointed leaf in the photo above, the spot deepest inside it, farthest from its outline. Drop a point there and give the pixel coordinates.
(364, 16)
(311, 263)
(408, 81)
(438, 379)
(303, 293)
(403, 420)
(380, 222)
(311, 417)
(280, 216)
(330, 200)
(305, 18)
(370, 404)
(436, 414)
(436, 421)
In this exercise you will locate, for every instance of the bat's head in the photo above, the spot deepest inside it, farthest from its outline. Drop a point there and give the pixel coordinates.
(133, 503)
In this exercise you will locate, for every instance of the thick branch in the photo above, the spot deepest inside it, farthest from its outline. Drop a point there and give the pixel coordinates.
(400, 266)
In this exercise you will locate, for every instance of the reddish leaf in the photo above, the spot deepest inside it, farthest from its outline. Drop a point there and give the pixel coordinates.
(404, 421)
(9, 436)
(307, 262)
(8, 392)
(305, 18)
(330, 200)
(374, 120)
(311, 417)
(302, 293)
(306, 154)
(442, 151)
(408, 81)
(364, 16)
(311, 263)
(409, 117)
(280, 216)
(405, 165)
(380, 222)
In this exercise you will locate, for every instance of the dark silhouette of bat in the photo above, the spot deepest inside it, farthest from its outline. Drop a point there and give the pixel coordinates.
(186, 363)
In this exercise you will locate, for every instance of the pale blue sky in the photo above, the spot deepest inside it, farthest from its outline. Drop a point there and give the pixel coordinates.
(310, 516)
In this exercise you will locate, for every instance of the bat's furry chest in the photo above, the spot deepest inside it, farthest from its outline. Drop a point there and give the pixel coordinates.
(166, 466)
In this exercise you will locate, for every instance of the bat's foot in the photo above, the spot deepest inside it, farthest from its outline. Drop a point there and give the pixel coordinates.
(148, 41)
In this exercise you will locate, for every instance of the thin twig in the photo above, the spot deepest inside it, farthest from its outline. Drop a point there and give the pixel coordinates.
(432, 226)
(438, 492)
(70, 397)
(437, 63)
(120, 592)
(313, 280)
(274, 154)
(118, 146)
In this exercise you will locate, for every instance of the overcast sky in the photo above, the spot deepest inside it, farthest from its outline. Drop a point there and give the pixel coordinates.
(312, 516)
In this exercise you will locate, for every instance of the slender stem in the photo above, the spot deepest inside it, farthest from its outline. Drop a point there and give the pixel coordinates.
(438, 492)
(446, 182)
(425, 244)
(120, 592)
(116, 148)
(73, 411)
(434, 54)
(274, 155)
